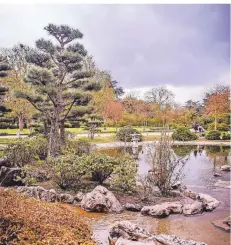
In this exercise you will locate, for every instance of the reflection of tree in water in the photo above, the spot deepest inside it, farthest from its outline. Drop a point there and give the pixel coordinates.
(183, 150)
(118, 151)
(219, 154)
(162, 226)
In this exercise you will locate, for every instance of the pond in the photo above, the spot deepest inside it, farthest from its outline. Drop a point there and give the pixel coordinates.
(198, 170)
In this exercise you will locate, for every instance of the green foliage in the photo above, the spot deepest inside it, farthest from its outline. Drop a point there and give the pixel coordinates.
(223, 127)
(26, 150)
(183, 134)
(77, 147)
(67, 170)
(226, 136)
(213, 135)
(101, 166)
(124, 174)
(183, 150)
(124, 133)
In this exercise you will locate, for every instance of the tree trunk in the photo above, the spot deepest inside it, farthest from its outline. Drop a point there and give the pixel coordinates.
(215, 123)
(54, 139)
(20, 123)
(62, 133)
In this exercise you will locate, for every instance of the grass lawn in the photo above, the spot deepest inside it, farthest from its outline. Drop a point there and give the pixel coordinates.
(14, 131)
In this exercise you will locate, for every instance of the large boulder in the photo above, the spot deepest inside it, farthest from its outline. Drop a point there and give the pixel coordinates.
(209, 203)
(8, 176)
(224, 224)
(226, 167)
(127, 233)
(101, 200)
(193, 208)
(162, 210)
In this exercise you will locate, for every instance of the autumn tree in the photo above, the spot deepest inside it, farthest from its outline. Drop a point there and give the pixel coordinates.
(58, 81)
(217, 102)
(113, 111)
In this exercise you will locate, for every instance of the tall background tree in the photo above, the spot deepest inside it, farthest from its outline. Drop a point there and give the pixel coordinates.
(57, 79)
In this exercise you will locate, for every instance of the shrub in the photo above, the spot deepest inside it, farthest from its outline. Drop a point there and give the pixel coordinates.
(67, 171)
(124, 174)
(27, 221)
(3, 134)
(26, 150)
(101, 166)
(77, 147)
(226, 136)
(213, 135)
(183, 134)
(124, 133)
(223, 127)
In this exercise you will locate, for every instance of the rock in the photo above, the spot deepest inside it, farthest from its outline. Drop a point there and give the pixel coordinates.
(176, 186)
(209, 203)
(127, 233)
(223, 223)
(223, 184)
(122, 241)
(66, 198)
(127, 230)
(226, 167)
(194, 208)
(8, 176)
(217, 175)
(156, 191)
(174, 240)
(133, 207)
(175, 193)
(101, 200)
(190, 194)
(162, 210)
(79, 196)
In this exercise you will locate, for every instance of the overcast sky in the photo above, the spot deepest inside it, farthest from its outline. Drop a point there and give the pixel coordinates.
(185, 47)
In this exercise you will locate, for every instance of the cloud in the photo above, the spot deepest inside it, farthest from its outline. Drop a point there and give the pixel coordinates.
(186, 47)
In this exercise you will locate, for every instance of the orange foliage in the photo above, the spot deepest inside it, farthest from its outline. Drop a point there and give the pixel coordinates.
(113, 111)
(27, 221)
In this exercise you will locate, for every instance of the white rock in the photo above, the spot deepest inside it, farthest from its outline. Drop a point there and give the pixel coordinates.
(209, 203)
(194, 208)
(225, 168)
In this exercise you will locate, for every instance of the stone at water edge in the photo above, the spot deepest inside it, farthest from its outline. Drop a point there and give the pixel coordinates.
(226, 167)
(174, 240)
(191, 194)
(162, 210)
(101, 200)
(209, 203)
(217, 175)
(127, 230)
(193, 208)
(133, 207)
(223, 184)
(223, 223)
(127, 233)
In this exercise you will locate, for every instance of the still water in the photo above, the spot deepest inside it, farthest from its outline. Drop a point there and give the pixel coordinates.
(199, 170)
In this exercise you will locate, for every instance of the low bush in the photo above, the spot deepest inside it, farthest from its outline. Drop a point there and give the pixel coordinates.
(124, 134)
(220, 127)
(27, 221)
(101, 166)
(26, 150)
(3, 134)
(183, 134)
(225, 136)
(213, 135)
(124, 175)
(67, 170)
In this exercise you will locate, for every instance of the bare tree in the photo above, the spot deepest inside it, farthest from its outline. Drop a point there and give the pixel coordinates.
(166, 167)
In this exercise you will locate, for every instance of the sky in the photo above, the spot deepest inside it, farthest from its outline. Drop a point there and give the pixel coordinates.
(183, 47)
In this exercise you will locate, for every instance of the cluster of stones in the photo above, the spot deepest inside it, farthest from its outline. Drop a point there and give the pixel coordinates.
(127, 233)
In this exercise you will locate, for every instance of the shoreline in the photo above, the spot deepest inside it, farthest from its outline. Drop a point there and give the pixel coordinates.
(196, 143)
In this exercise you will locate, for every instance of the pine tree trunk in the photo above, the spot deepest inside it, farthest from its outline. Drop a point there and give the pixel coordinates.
(54, 139)
(20, 123)
(62, 133)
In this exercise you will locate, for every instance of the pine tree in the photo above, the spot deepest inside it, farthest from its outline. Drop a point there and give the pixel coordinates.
(58, 81)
